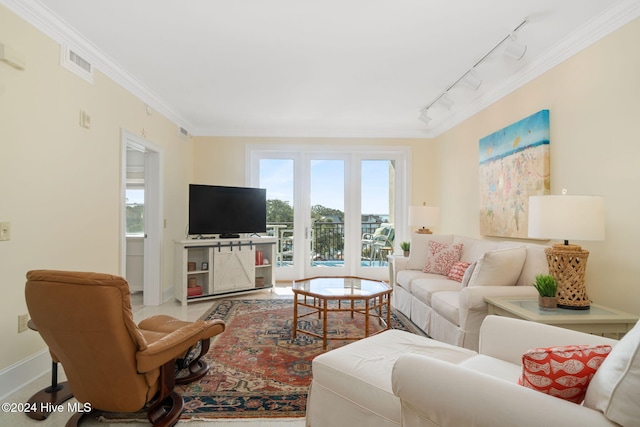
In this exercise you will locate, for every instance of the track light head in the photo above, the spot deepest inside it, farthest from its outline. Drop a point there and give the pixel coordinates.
(514, 50)
(471, 80)
(445, 102)
(425, 117)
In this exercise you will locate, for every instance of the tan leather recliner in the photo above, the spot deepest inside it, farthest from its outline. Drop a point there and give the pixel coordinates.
(110, 362)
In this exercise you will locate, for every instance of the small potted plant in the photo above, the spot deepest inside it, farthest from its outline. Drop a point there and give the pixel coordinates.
(547, 287)
(405, 246)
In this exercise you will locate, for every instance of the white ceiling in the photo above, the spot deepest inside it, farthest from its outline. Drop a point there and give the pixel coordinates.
(361, 68)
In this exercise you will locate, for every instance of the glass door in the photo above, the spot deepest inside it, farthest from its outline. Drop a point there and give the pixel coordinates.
(377, 212)
(326, 222)
(276, 175)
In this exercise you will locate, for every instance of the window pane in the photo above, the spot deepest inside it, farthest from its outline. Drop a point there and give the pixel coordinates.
(276, 176)
(327, 213)
(135, 211)
(377, 201)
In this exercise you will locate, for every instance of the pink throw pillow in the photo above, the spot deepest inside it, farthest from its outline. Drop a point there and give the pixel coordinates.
(441, 257)
(457, 270)
(563, 372)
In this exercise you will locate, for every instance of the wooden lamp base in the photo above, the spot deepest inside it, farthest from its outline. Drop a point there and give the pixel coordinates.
(567, 264)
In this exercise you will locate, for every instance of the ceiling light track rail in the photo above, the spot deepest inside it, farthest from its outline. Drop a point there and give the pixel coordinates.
(469, 75)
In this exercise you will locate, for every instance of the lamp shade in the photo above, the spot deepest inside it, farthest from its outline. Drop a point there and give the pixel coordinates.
(424, 216)
(566, 217)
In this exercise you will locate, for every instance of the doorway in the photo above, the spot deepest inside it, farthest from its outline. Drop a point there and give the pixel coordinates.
(322, 202)
(141, 216)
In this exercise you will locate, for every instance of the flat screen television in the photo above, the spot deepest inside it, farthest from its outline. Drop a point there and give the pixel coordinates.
(227, 211)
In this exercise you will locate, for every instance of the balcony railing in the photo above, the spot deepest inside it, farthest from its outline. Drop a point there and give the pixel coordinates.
(327, 241)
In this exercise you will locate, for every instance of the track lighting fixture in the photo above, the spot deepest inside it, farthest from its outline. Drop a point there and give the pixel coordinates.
(469, 79)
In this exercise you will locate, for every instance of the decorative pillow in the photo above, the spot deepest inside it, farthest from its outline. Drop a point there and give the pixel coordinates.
(441, 257)
(500, 267)
(467, 274)
(458, 270)
(420, 248)
(614, 388)
(563, 372)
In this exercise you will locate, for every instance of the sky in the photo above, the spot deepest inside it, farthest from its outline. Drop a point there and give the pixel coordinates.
(135, 196)
(327, 183)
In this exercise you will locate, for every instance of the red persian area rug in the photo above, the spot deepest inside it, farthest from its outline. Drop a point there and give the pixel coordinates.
(256, 369)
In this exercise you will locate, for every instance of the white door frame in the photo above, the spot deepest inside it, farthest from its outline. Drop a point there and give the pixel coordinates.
(153, 188)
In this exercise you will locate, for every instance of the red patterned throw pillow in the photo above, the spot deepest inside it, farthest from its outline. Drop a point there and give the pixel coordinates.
(441, 257)
(562, 372)
(457, 270)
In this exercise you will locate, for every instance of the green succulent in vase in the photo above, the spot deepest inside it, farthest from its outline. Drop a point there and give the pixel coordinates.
(546, 285)
(405, 246)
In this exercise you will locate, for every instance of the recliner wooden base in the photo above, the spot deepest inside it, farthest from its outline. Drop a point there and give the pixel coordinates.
(197, 368)
(163, 412)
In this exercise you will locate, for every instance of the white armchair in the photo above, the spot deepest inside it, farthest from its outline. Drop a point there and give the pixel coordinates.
(483, 390)
(401, 379)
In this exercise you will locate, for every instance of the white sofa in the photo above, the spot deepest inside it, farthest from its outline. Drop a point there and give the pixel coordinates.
(398, 378)
(450, 311)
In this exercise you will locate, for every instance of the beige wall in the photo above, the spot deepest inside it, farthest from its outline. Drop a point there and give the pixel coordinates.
(594, 107)
(59, 182)
(229, 155)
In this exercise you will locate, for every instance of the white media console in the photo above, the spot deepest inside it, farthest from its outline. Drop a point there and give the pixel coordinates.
(212, 268)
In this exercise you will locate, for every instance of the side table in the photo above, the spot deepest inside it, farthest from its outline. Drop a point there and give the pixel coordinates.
(598, 319)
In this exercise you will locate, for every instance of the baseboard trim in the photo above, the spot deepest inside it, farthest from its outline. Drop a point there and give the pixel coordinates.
(16, 376)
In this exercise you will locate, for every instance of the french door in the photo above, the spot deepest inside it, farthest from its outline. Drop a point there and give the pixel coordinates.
(335, 212)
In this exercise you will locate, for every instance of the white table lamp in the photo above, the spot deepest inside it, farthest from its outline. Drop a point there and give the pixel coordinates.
(424, 217)
(567, 218)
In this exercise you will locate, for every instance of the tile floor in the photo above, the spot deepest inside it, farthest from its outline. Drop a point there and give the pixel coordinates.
(172, 308)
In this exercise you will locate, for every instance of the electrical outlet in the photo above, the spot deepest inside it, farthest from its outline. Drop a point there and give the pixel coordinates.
(23, 322)
(5, 231)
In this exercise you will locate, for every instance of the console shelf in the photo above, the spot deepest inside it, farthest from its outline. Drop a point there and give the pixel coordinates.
(213, 268)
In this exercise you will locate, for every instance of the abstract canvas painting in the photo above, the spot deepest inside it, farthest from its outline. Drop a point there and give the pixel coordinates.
(514, 164)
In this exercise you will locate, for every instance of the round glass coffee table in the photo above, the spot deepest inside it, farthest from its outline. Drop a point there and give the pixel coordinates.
(324, 295)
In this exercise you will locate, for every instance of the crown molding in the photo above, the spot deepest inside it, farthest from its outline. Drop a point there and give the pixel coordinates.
(51, 25)
(315, 132)
(43, 19)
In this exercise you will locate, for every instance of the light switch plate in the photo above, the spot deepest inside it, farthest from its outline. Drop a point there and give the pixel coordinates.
(5, 231)
(85, 119)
